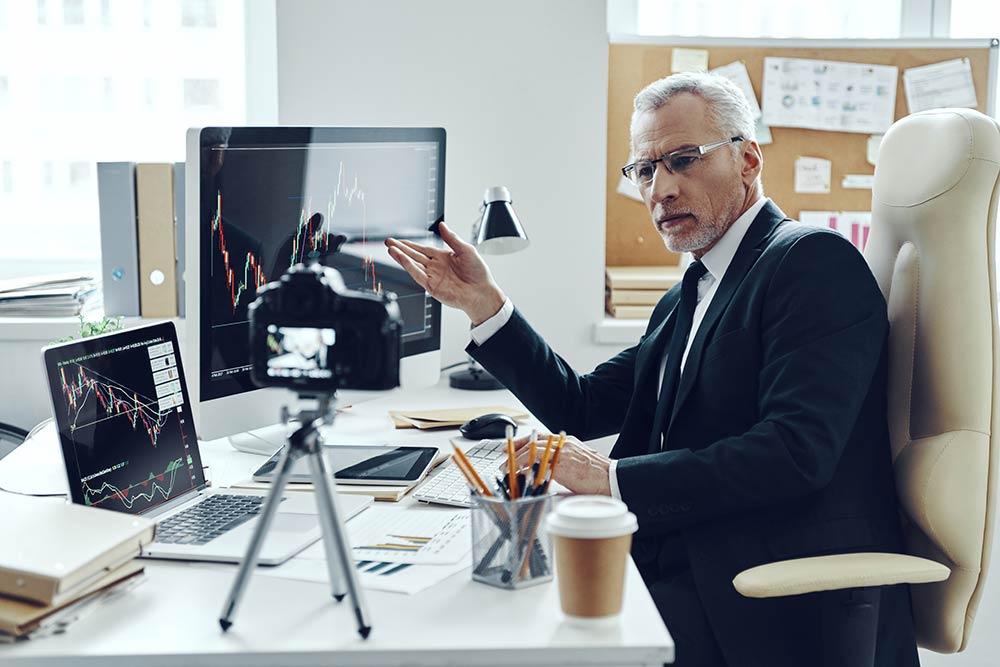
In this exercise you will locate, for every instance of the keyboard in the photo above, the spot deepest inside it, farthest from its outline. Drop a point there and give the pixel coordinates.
(205, 521)
(448, 486)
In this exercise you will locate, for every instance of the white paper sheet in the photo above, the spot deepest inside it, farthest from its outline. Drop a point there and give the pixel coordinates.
(944, 84)
(395, 577)
(829, 95)
(627, 188)
(852, 225)
(736, 72)
(428, 536)
(871, 148)
(858, 181)
(812, 175)
(688, 60)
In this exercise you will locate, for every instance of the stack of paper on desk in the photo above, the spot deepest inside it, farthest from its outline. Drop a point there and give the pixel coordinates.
(449, 418)
(55, 295)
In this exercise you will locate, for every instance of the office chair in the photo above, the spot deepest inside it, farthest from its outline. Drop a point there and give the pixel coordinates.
(11, 438)
(934, 208)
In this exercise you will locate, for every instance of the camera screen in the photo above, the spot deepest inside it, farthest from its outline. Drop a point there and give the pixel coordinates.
(300, 352)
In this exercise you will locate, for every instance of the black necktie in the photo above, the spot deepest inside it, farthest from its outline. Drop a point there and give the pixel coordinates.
(678, 341)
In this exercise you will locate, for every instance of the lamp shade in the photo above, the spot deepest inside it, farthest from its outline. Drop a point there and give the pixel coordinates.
(499, 232)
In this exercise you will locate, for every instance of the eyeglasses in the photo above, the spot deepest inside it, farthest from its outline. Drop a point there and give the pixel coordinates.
(641, 172)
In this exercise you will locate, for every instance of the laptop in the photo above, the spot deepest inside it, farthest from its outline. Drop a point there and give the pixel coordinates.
(128, 438)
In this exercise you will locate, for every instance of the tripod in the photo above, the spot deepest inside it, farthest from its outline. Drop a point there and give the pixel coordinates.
(306, 442)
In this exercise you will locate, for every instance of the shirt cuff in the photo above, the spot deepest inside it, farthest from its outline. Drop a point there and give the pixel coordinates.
(613, 478)
(482, 333)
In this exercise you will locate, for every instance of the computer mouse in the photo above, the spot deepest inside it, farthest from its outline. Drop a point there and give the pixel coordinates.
(487, 427)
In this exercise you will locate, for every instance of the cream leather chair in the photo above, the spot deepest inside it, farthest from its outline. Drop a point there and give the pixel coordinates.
(934, 209)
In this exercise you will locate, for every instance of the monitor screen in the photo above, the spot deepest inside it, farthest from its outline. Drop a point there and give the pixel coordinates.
(270, 198)
(124, 419)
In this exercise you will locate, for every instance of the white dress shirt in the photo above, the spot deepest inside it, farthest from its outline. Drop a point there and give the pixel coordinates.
(716, 260)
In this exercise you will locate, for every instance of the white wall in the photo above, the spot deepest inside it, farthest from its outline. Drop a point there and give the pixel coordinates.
(520, 87)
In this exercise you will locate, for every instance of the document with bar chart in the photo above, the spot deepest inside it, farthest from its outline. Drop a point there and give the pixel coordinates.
(430, 536)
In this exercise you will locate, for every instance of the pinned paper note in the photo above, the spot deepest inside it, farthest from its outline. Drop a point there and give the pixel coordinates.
(736, 72)
(852, 225)
(763, 133)
(871, 149)
(828, 95)
(858, 181)
(689, 60)
(944, 84)
(627, 188)
(812, 175)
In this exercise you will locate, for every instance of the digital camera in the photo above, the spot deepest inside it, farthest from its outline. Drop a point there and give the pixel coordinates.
(310, 333)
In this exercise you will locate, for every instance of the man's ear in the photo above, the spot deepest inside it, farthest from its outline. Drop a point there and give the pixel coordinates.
(752, 162)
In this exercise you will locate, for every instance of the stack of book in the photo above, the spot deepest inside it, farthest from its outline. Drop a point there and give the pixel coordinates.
(53, 295)
(631, 292)
(63, 558)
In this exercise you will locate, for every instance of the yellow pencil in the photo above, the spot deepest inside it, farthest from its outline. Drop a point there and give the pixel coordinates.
(545, 457)
(470, 472)
(555, 457)
(511, 465)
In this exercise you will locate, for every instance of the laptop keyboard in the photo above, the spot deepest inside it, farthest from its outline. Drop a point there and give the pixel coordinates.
(205, 521)
(449, 487)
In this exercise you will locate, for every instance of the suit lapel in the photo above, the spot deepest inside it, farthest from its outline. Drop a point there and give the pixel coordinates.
(749, 251)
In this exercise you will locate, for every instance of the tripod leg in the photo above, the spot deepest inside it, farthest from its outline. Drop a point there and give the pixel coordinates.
(257, 540)
(327, 520)
(325, 497)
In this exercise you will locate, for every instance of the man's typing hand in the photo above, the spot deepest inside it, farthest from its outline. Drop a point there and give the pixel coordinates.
(581, 469)
(456, 276)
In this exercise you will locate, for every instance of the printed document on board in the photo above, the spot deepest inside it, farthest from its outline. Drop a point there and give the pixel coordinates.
(829, 95)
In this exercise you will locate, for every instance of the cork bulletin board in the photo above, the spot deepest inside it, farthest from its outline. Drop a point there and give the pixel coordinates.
(634, 62)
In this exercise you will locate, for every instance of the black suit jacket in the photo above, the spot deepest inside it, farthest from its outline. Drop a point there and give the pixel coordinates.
(777, 446)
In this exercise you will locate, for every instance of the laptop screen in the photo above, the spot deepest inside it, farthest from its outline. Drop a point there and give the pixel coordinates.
(122, 410)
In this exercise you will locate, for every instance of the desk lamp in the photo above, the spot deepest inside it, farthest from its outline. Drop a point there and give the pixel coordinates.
(497, 232)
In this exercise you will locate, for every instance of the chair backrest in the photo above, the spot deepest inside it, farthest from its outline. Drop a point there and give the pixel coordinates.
(934, 207)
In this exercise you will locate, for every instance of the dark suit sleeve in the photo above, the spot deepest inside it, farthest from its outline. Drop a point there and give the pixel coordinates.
(587, 406)
(823, 325)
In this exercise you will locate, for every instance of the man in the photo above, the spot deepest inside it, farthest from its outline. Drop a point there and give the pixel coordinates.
(751, 415)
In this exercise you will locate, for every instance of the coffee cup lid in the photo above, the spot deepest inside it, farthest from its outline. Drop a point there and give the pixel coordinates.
(592, 517)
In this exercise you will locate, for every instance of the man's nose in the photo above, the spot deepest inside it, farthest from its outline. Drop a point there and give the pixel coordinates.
(665, 185)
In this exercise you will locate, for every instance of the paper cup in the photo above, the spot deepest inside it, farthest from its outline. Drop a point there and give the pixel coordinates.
(592, 536)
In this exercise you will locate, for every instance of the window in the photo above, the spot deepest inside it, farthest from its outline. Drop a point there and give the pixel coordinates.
(770, 18)
(198, 14)
(73, 12)
(970, 18)
(201, 93)
(109, 86)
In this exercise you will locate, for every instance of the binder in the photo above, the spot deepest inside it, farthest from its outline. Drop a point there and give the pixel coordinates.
(154, 190)
(62, 548)
(119, 244)
(179, 225)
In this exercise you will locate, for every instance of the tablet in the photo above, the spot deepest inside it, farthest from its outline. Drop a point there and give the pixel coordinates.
(361, 464)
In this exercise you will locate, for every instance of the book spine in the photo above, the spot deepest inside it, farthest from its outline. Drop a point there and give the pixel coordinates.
(644, 297)
(28, 586)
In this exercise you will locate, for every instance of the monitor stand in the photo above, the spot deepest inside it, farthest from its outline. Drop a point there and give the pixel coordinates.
(265, 441)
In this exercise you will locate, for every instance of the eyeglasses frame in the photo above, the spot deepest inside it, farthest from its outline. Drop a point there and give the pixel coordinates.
(701, 151)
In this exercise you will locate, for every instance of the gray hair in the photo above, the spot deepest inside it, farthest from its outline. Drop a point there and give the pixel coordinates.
(728, 109)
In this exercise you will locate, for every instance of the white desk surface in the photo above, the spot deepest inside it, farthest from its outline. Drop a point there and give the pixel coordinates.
(172, 617)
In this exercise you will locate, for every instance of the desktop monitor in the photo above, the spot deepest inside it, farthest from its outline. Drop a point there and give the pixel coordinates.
(264, 198)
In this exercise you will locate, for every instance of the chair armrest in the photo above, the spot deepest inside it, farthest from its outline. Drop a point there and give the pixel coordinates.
(828, 573)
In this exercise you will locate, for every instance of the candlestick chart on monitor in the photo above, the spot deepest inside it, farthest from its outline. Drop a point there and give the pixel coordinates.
(272, 208)
(123, 412)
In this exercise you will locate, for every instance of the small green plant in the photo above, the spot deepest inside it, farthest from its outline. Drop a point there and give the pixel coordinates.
(96, 328)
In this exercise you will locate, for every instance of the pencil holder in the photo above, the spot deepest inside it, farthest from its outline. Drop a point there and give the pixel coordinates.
(510, 546)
